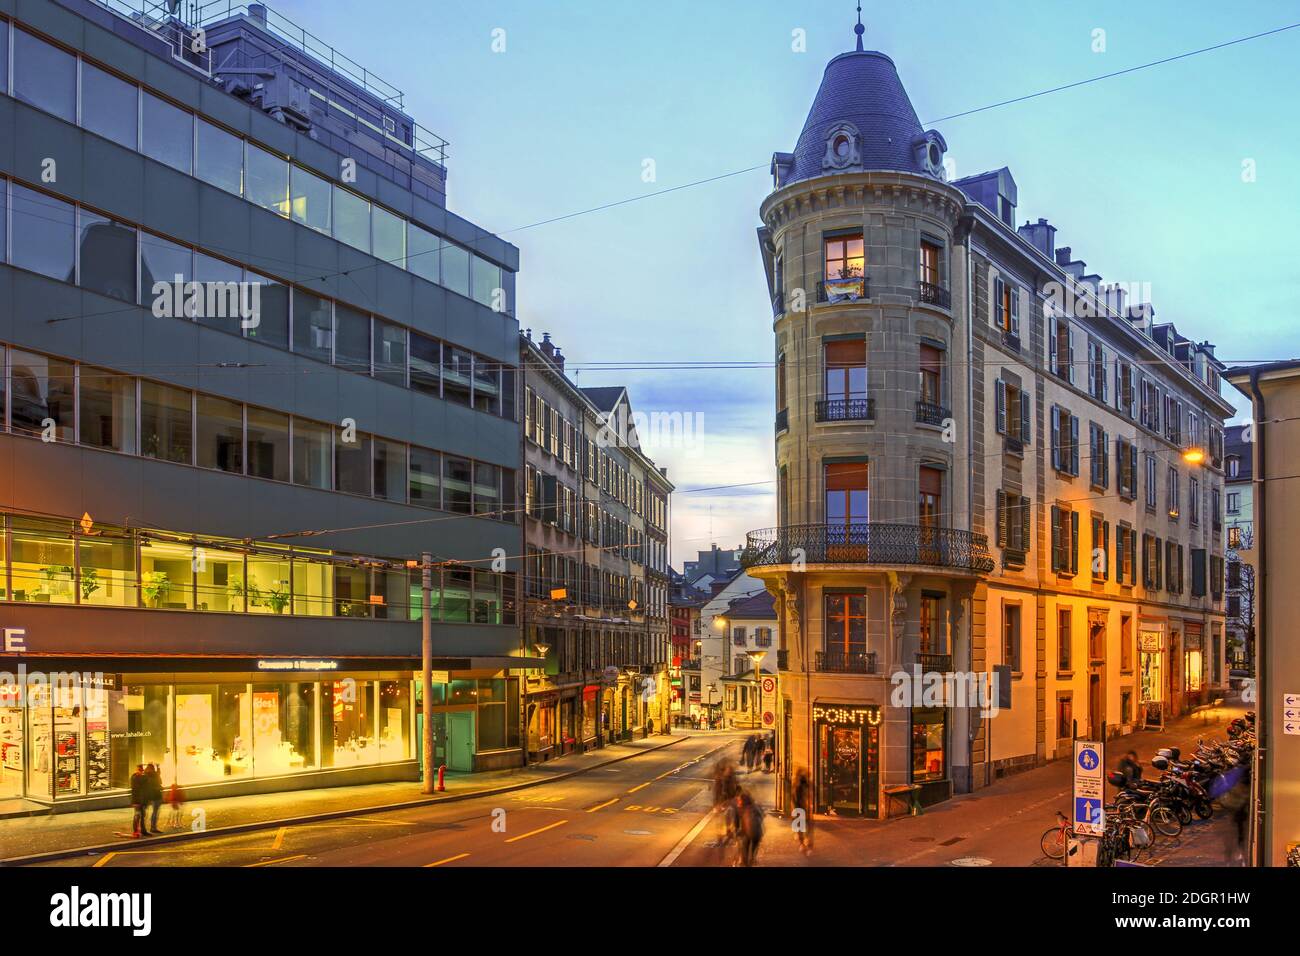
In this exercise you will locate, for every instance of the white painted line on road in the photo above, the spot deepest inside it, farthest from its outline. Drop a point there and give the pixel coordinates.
(686, 841)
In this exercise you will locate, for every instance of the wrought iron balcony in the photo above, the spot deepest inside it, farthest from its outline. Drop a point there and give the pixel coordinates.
(846, 662)
(845, 290)
(931, 663)
(930, 294)
(846, 410)
(783, 420)
(1011, 340)
(873, 543)
(928, 413)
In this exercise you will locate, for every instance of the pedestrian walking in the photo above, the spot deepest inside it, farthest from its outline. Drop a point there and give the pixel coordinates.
(750, 827)
(1130, 768)
(175, 800)
(139, 797)
(801, 802)
(768, 757)
(154, 794)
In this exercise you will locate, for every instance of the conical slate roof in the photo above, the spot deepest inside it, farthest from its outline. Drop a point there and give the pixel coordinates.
(860, 88)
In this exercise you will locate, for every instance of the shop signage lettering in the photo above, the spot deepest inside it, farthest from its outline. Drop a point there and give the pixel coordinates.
(297, 665)
(130, 734)
(851, 716)
(15, 640)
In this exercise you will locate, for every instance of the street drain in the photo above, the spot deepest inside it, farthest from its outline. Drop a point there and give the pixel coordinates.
(582, 836)
(972, 861)
(952, 841)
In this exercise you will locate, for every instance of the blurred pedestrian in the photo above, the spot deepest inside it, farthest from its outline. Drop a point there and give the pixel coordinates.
(1237, 802)
(175, 800)
(155, 794)
(139, 797)
(749, 825)
(801, 803)
(768, 756)
(1130, 768)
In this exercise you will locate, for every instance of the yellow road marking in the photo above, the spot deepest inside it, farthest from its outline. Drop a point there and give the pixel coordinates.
(283, 859)
(279, 838)
(104, 859)
(602, 806)
(549, 826)
(641, 786)
(450, 859)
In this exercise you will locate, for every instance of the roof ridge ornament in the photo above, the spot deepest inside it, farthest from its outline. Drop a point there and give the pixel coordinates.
(859, 29)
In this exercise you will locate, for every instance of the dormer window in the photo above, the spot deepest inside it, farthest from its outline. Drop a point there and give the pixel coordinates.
(928, 150)
(842, 150)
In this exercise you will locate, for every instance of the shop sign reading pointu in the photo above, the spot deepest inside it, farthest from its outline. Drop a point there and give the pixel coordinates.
(848, 714)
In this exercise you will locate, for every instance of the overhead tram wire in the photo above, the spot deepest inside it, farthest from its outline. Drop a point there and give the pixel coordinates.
(765, 165)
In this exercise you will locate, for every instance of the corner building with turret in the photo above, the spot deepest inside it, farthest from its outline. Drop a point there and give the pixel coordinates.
(990, 465)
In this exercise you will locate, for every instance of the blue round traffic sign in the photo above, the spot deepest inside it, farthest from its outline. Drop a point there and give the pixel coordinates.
(1088, 759)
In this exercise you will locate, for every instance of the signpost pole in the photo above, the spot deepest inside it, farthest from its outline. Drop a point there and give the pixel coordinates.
(426, 679)
(1088, 798)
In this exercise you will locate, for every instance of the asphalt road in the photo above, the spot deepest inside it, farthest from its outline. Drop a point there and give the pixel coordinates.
(632, 813)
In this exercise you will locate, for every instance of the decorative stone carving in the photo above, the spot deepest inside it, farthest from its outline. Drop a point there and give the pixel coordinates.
(843, 149)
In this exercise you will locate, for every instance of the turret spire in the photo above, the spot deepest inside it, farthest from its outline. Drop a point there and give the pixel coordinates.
(859, 29)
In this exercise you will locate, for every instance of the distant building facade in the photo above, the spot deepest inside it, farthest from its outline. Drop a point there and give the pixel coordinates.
(1239, 518)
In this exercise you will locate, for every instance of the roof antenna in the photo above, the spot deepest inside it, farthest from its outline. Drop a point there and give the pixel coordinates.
(859, 29)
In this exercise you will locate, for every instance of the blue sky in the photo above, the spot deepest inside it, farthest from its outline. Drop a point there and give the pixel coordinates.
(1141, 174)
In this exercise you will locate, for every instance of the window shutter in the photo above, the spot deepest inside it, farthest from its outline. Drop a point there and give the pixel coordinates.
(1056, 437)
(1024, 524)
(1002, 519)
(1074, 445)
(1105, 545)
(1133, 543)
(1074, 542)
(1002, 406)
(1056, 538)
(1069, 343)
(998, 292)
(1133, 469)
(1051, 345)
(1024, 416)
(1015, 311)
(1105, 460)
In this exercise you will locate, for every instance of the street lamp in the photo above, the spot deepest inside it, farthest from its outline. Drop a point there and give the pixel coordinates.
(1194, 456)
(757, 658)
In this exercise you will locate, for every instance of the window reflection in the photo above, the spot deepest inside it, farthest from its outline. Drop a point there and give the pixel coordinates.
(423, 253)
(352, 470)
(426, 478)
(167, 133)
(268, 444)
(455, 268)
(351, 219)
(107, 409)
(426, 361)
(313, 326)
(109, 106)
(351, 340)
(45, 76)
(223, 303)
(266, 180)
(309, 197)
(390, 470)
(46, 233)
(166, 423)
(107, 257)
(270, 321)
(42, 391)
(163, 265)
(220, 159)
(389, 234)
(220, 434)
(311, 454)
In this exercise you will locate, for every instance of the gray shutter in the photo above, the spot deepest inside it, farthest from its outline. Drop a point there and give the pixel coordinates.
(1074, 542)
(1002, 519)
(1024, 524)
(1002, 407)
(998, 286)
(1015, 310)
(1056, 538)
(1056, 437)
(1105, 544)
(1024, 416)
(1051, 345)
(1074, 445)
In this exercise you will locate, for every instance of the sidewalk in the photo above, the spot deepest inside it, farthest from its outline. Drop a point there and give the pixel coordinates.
(999, 825)
(68, 834)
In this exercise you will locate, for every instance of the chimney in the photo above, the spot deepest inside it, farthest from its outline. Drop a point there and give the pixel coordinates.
(1041, 235)
(715, 587)
(1116, 295)
(558, 359)
(547, 348)
(1063, 256)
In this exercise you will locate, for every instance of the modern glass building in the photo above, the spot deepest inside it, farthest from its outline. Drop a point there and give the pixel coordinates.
(252, 366)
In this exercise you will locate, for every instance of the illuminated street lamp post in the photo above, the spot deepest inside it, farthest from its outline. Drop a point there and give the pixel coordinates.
(756, 701)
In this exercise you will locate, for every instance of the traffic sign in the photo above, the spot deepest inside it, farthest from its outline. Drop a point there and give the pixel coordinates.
(1089, 788)
(767, 701)
(1291, 714)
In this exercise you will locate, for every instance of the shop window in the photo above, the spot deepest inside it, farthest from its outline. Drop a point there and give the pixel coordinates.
(107, 577)
(309, 199)
(220, 434)
(389, 353)
(498, 714)
(220, 158)
(45, 76)
(313, 587)
(166, 575)
(141, 713)
(422, 253)
(268, 444)
(311, 454)
(351, 340)
(41, 392)
(389, 470)
(456, 480)
(266, 589)
(351, 219)
(41, 562)
(394, 720)
(284, 732)
(389, 237)
(266, 180)
(425, 478)
(455, 268)
(167, 133)
(487, 280)
(347, 723)
(216, 576)
(163, 265)
(269, 322)
(456, 374)
(166, 423)
(426, 364)
(353, 469)
(46, 230)
(928, 751)
(313, 326)
(463, 692)
(108, 256)
(224, 301)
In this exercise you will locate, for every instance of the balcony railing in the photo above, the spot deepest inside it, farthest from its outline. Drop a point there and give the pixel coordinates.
(844, 290)
(928, 413)
(934, 663)
(1011, 340)
(930, 294)
(871, 543)
(783, 420)
(846, 410)
(846, 662)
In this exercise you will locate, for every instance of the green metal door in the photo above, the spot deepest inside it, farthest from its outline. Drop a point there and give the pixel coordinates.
(460, 741)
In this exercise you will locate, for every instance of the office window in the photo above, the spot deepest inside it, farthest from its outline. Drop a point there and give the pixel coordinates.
(268, 444)
(167, 133)
(486, 281)
(487, 489)
(313, 326)
(426, 362)
(107, 409)
(4, 208)
(41, 390)
(390, 470)
(426, 478)
(45, 232)
(166, 262)
(456, 374)
(107, 257)
(269, 322)
(4, 58)
(351, 340)
(220, 434)
(266, 180)
(389, 353)
(166, 423)
(42, 563)
(310, 200)
(455, 268)
(423, 253)
(312, 453)
(1011, 635)
(109, 106)
(223, 302)
(487, 385)
(457, 479)
(45, 76)
(388, 237)
(220, 158)
(351, 219)
(353, 470)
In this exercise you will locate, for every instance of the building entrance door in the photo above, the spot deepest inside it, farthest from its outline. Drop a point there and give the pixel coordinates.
(460, 741)
(1096, 705)
(848, 769)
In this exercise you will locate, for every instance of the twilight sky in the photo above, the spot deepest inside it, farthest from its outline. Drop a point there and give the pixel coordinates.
(1141, 174)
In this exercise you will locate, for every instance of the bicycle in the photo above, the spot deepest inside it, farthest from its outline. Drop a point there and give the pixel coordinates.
(1055, 841)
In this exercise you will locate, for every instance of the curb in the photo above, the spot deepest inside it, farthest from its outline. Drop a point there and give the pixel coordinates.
(328, 815)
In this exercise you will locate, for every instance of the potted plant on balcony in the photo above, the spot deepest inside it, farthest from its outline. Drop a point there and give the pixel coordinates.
(155, 587)
(277, 596)
(847, 284)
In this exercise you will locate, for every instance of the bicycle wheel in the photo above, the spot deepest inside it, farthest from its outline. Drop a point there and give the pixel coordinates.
(1165, 820)
(1204, 809)
(1184, 812)
(1054, 842)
